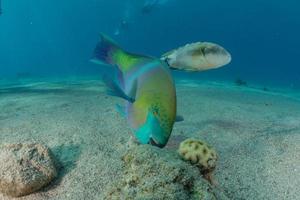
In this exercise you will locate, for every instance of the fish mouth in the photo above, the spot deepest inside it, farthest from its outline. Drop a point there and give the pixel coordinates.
(152, 142)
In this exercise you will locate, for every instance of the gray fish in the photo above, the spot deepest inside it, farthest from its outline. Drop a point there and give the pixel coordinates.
(197, 56)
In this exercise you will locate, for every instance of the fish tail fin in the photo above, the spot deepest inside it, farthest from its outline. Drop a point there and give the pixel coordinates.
(121, 110)
(151, 132)
(106, 51)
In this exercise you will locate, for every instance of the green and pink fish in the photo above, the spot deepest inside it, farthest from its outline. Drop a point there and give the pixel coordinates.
(148, 88)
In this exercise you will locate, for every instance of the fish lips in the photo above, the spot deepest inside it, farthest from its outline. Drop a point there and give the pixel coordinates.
(153, 143)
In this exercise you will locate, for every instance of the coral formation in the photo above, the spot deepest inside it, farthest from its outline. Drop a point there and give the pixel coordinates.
(25, 168)
(200, 154)
(153, 173)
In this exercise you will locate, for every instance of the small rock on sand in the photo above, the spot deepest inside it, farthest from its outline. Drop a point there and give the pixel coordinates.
(25, 168)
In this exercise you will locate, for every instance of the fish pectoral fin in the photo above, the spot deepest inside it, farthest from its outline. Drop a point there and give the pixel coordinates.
(163, 56)
(121, 110)
(151, 132)
(133, 89)
(115, 90)
(179, 118)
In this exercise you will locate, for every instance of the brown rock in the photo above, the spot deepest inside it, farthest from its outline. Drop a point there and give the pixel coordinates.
(154, 173)
(25, 168)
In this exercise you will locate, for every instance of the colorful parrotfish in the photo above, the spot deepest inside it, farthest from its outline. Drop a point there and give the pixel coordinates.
(148, 88)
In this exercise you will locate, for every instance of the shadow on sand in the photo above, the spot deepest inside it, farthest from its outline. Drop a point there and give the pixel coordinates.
(66, 159)
(58, 90)
(220, 123)
(31, 90)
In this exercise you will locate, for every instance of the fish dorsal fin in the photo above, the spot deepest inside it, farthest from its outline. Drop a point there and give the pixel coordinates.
(129, 61)
(165, 55)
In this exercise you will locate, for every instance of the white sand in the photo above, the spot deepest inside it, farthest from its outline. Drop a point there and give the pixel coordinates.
(256, 133)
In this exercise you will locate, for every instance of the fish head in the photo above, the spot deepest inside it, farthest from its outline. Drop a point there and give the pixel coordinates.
(214, 55)
(152, 131)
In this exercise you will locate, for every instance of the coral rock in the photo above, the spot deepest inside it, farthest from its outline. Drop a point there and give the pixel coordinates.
(199, 154)
(25, 168)
(153, 173)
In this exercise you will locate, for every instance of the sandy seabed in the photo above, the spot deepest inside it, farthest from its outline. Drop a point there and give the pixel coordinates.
(256, 132)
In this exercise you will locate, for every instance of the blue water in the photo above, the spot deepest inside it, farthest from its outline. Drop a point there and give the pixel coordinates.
(56, 38)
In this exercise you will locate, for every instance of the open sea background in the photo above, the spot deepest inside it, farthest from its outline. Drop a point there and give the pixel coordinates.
(56, 38)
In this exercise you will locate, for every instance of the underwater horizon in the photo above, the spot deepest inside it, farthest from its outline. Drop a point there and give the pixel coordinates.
(55, 38)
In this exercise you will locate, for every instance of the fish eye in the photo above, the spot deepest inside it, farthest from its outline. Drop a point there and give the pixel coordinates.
(211, 50)
(202, 50)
